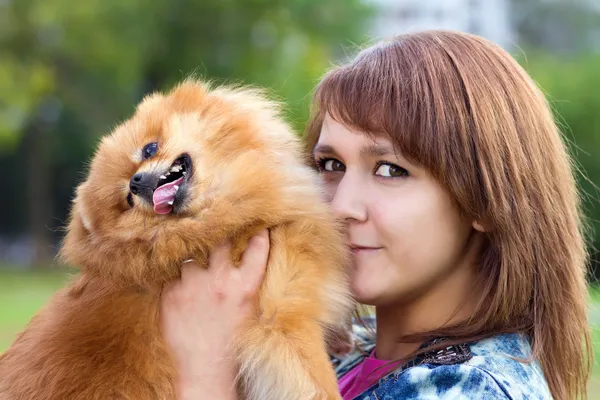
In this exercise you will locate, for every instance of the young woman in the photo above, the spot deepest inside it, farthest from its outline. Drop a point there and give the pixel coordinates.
(443, 158)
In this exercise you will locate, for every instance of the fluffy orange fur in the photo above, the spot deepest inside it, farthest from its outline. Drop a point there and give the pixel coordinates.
(99, 338)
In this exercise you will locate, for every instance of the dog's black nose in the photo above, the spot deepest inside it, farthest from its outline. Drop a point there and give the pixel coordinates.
(141, 182)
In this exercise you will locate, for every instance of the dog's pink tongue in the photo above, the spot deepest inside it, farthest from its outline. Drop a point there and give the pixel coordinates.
(163, 195)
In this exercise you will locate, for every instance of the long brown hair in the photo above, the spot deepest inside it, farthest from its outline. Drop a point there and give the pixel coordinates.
(463, 108)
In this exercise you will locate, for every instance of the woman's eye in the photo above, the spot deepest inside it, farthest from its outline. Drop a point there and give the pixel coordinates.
(331, 165)
(391, 171)
(149, 150)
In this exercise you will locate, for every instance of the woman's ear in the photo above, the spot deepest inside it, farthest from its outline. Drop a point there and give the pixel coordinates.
(478, 226)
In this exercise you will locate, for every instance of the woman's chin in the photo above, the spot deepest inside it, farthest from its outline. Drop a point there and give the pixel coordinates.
(363, 295)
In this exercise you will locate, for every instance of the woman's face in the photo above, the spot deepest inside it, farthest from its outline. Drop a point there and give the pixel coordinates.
(406, 234)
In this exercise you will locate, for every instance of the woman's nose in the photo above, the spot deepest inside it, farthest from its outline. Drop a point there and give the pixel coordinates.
(348, 200)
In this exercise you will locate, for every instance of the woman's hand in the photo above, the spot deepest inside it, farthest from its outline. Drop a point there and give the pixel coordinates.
(200, 315)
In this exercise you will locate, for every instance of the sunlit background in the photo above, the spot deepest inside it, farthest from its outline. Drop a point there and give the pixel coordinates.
(70, 70)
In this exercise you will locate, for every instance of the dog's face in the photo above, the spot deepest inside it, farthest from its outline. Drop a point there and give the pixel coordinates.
(161, 189)
(148, 171)
(219, 159)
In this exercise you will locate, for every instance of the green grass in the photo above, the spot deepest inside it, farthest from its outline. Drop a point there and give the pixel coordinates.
(23, 293)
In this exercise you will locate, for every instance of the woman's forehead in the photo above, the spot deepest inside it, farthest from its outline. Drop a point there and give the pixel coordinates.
(335, 134)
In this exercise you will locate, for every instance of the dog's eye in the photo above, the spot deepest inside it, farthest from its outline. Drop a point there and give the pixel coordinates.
(149, 150)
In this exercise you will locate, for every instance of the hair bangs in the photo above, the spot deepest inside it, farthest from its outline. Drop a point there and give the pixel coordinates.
(394, 91)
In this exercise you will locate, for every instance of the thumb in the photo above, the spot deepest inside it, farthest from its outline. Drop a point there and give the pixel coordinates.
(254, 261)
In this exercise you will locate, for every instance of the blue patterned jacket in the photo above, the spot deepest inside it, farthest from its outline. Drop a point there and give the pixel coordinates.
(479, 370)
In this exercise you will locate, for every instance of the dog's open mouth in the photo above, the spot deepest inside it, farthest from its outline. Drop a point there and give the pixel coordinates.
(170, 183)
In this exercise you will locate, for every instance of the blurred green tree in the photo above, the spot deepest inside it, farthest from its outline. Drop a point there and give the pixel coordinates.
(69, 71)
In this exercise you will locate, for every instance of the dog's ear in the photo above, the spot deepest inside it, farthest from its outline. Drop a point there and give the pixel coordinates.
(81, 215)
(85, 218)
(78, 230)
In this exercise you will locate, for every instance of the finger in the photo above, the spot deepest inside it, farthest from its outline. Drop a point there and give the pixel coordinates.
(219, 264)
(170, 295)
(221, 256)
(191, 271)
(254, 260)
(166, 293)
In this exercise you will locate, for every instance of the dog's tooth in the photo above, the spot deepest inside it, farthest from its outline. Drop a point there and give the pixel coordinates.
(163, 177)
(176, 187)
(168, 173)
(184, 172)
(171, 202)
(175, 169)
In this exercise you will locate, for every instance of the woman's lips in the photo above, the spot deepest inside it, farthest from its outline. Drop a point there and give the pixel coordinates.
(358, 249)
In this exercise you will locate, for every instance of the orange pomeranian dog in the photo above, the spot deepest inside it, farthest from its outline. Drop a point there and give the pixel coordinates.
(190, 169)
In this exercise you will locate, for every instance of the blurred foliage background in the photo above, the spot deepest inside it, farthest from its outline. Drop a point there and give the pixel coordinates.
(70, 71)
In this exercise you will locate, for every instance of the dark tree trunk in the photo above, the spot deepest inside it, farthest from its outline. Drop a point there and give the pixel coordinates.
(39, 198)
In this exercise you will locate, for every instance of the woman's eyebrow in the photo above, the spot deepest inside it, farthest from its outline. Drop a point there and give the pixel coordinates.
(324, 148)
(377, 150)
(373, 150)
